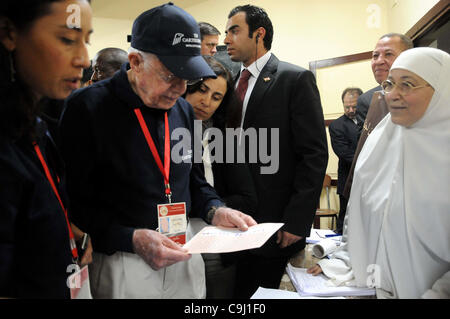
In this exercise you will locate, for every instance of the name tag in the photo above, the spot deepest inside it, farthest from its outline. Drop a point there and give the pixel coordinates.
(78, 283)
(172, 221)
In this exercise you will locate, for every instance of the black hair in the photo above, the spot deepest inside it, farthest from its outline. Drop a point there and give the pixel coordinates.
(112, 59)
(207, 29)
(18, 106)
(256, 17)
(228, 114)
(87, 74)
(351, 90)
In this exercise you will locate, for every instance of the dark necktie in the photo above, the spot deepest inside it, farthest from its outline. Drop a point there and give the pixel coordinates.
(243, 85)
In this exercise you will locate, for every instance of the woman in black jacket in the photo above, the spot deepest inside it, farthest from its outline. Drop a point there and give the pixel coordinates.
(214, 103)
(42, 55)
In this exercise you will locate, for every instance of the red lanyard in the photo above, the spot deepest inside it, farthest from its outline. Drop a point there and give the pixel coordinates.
(166, 168)
(73, 246)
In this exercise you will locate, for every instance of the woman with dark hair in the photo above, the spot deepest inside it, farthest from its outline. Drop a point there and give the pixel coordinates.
(42, 55)
(214, 103)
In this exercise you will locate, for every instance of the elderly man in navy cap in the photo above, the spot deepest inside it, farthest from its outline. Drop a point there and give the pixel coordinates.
(124, 188)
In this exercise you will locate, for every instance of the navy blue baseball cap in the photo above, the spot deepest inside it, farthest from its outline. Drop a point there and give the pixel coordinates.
(173, 36)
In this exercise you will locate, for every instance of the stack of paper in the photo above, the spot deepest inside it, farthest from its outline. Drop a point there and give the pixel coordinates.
(317, 235)
(309, 285)
(267, 293)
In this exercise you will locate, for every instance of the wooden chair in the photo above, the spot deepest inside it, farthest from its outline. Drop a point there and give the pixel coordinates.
(326, 212)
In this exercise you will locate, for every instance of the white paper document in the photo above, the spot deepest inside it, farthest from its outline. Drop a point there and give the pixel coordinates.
(212, 239)
(309, 285)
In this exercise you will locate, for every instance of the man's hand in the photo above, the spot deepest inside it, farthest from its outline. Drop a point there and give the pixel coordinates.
(78, 234)
(86, 259)
(157, 250)
(285, 239)
(228, 217)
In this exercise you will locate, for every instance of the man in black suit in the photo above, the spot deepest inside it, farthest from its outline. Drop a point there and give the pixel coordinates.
(344, 138)
(280, 97)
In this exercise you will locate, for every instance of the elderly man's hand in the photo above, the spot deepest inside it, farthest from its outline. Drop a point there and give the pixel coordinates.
(157, 250)
(228, 217)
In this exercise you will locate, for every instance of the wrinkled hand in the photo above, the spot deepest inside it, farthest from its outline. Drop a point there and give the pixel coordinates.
(314, 270)
(285, 239)
(228, 217)
(157, 250)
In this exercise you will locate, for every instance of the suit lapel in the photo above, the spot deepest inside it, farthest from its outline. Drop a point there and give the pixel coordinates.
(266, 78)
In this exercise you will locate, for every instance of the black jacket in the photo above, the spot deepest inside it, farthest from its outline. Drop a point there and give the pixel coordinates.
(112, 179)
(344, 138)
(286, 98)
(34, 238)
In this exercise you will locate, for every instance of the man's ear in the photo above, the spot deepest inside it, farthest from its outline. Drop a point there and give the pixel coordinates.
(260, 33)
(136, 61)
(8, 34)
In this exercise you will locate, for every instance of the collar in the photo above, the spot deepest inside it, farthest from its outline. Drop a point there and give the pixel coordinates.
(256, 67)
(350, 119)
(122, 88)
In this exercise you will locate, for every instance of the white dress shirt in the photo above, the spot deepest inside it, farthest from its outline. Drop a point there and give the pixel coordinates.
(254, 69)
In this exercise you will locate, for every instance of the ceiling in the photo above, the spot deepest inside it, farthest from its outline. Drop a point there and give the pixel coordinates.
(130, 9)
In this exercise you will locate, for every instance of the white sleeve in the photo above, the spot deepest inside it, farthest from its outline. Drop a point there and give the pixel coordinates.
(338, 268)
(440, 289)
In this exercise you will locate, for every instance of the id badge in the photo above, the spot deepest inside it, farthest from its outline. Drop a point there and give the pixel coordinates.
(78, 283)
(172, 221)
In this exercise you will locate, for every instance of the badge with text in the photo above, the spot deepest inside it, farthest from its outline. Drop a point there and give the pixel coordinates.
(172, 221)
(78, 282)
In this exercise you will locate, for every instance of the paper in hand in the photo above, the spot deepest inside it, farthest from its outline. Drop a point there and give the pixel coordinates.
(212, 239)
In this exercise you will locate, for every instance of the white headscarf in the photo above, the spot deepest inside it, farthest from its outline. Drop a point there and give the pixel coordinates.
(399, 209)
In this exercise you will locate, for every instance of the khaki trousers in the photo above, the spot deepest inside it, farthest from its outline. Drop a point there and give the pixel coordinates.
(126, 276)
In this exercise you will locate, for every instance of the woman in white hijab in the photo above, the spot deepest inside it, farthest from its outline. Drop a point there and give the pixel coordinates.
(397, 231)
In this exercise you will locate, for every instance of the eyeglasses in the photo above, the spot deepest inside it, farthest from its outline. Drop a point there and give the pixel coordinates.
(171, 78)
(404, 88)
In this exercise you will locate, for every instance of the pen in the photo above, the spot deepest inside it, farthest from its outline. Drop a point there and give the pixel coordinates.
(332, 235)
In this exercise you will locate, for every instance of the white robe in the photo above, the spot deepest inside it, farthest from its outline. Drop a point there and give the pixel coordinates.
(397, 230)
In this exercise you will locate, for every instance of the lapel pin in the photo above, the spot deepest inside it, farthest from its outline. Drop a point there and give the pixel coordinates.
(266, 79)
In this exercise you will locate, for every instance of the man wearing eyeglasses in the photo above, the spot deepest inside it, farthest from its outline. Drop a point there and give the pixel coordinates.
(344, 138)
(107, 62)
(123, 184)
(372, 106)
(210, 38)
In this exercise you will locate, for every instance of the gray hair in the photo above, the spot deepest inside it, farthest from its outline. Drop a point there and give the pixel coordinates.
(146, 56)
(207, 29)
(406, 41)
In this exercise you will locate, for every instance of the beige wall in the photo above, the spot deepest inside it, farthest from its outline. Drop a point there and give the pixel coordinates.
(403, 14)
(304, 31)
(109, 33)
